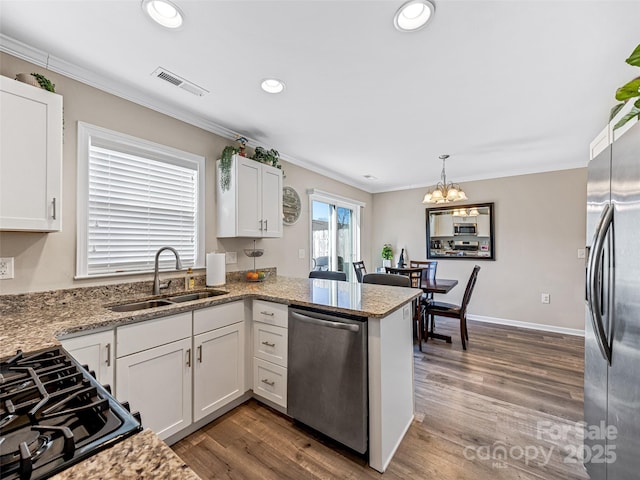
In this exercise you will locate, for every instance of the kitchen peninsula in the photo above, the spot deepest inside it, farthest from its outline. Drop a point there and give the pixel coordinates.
(35, 321)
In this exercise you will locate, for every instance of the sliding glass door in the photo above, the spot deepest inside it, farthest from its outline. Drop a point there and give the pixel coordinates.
(335, 238)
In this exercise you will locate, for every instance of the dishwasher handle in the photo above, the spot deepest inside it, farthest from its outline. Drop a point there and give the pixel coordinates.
(325, 323)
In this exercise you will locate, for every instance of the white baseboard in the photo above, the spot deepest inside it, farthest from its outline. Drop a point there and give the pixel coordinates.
(529, 325)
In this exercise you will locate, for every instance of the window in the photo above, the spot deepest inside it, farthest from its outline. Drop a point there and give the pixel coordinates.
(134, 197)
(335, 232)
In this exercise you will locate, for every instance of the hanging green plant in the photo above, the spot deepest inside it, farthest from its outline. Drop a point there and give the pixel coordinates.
(628, 91)
(226, 159)
(44, 82)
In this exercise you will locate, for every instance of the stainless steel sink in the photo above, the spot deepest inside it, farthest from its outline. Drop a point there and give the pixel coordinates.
(188, 297)
(132, 307)
(163, 302)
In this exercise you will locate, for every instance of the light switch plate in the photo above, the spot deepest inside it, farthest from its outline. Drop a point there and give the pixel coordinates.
(545, 298)
(230, 257)
(6, 268)
(581, 253)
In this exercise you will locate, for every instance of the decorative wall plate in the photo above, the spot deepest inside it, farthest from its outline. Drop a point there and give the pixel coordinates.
(291, 206)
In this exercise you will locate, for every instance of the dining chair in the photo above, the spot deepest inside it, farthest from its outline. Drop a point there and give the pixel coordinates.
(360, 270)
(443, 309)
(387, 279)
(414, 274)
(322, 264)
(328, 275)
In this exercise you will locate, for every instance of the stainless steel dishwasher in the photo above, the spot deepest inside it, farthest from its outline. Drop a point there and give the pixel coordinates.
(327, 375)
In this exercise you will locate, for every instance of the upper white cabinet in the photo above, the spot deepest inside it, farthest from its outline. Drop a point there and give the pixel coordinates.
(484, 225)
(30, 158)
(444, 226)
(252, 206)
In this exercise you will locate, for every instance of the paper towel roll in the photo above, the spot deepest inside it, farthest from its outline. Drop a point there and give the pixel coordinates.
(215, 269)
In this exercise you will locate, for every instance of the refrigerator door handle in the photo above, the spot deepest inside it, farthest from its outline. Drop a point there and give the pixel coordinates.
(594, 266)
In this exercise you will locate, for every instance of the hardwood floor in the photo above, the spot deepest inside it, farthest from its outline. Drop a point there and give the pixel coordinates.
(505, 409)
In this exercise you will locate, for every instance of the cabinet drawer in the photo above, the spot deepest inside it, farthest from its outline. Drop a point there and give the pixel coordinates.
(152, 333)
(270, 381)
(269, 312)
(208, 319)
(270, 343)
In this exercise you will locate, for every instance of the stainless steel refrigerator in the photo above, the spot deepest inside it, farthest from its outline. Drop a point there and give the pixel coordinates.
(612, 328)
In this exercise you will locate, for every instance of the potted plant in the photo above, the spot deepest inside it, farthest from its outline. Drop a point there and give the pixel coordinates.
(225, 166)
(261, 155)
(628, 91)
(36, 80)
(387, 255)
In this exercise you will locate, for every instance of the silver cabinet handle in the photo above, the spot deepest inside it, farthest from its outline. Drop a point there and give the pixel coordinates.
(594, 266)
(260, 225)
(266, 225)
(54, 208)
(267, 382)
(108, 360)
(188, 357)
(268, 344)
(200, 353)
(268, 314)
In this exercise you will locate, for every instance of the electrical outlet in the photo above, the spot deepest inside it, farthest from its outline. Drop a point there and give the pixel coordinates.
(545, 298)
(581, 253)
(230, 257)
(6, 268)
(301, 253)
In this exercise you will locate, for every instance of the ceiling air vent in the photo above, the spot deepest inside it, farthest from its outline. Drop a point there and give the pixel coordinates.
(167, 76)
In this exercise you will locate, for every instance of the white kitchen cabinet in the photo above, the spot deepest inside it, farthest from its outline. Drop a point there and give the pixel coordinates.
(484, 226)
(252, 206)
(219, 368)
(94, 350)
(444, 226)
(270, 346)
(154, 370)
(30, 158)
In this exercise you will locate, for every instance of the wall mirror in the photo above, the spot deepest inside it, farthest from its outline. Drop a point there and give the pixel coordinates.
(460, 232)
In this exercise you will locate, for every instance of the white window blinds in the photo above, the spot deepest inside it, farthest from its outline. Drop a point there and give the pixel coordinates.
(136, 205)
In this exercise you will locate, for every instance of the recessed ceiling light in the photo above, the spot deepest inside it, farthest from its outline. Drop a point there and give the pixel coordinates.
(163, 12)
(413, 15)
(272, 85)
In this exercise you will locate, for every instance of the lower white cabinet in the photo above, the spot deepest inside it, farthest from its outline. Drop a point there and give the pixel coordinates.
(219, 369)
(153, 372)
(270, 346)
(94, 350)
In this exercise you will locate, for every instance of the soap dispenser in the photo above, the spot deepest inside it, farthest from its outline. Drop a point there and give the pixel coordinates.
(189, 280)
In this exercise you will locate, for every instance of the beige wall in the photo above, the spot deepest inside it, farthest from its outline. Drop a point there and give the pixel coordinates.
(46, 261)
(539, 226)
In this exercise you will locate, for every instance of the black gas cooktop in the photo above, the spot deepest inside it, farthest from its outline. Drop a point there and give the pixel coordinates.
(53, 414)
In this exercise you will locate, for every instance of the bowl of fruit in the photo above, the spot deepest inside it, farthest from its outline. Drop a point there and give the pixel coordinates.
(254, 276)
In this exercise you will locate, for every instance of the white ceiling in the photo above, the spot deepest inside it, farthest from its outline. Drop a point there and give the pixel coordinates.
(504, 87)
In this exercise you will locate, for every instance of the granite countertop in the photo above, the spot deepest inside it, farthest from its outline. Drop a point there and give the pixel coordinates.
(142, 456)
(35, 321)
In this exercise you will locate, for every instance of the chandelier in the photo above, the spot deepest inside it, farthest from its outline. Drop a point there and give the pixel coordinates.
(444, 192)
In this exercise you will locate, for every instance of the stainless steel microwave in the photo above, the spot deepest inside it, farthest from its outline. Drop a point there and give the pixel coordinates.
(465, 229)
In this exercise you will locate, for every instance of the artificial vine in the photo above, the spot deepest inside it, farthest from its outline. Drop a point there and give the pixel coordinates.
(44, 82)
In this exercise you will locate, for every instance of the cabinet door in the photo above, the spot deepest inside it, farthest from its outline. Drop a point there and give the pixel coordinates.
(30, 158)
(157, 383)
(444, 226)
(484, 229)
(219, 369)
(94, 350)
(249, 211)
(271, 202)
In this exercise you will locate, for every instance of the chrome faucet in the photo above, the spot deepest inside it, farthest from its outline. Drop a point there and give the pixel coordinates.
(156, 276)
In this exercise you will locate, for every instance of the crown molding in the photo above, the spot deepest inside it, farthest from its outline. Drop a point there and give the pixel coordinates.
(43, 59)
